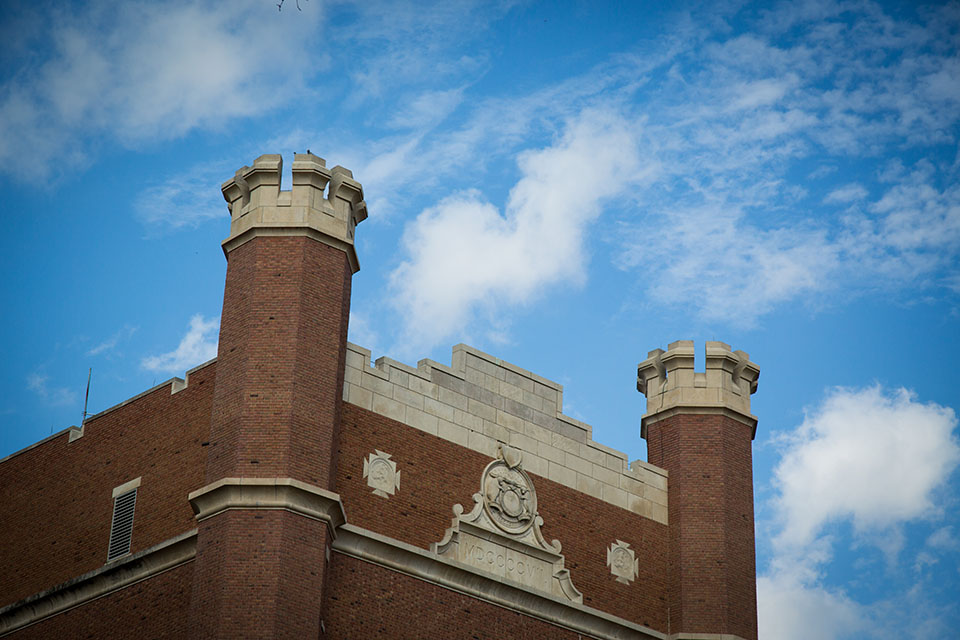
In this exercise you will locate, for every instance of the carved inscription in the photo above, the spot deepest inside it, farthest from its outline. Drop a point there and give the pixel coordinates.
(506, 563)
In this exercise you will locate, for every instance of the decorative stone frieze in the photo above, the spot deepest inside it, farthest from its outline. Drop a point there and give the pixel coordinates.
(381, 474)
(501, 535)
(622, 561)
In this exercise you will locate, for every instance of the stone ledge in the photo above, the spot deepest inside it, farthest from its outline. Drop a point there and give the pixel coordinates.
(704, 636)
(699, 410)
(75, 433)
(423, 565)
(269, 493)
(114, 576)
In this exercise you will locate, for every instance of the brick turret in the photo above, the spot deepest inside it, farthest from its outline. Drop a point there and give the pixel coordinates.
(698, 427)
(277, 401)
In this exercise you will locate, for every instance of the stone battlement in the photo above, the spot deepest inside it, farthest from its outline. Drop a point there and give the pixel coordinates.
(669, 382)
(325, 204)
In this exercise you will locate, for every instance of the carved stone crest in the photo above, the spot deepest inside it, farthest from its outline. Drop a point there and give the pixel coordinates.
(381, 474)
(508, 495)
(501, 535)
(623, 562)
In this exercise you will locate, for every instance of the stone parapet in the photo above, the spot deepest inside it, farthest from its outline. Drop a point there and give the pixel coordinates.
(325, 204)
(668, 380)
(481, 401)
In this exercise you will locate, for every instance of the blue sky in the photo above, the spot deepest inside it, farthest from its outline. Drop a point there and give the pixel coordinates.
(564, 186)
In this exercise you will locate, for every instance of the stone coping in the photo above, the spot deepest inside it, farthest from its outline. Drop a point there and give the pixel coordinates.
(113, 576)
(481, 401)
(176, 385)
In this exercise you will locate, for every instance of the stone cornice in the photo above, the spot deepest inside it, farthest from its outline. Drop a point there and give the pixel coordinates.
(699, 410)
(269, 493)
(450, 574)
(273, 231)
(111, 577)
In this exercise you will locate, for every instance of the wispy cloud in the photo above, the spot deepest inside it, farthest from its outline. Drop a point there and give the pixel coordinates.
(197, 346)
(58, 396)
(736, 117)
(141, 71)
(847, 193)
(110, 343)
(185, 199)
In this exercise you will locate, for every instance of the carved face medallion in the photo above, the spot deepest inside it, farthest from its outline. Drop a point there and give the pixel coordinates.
(508, 497)
(381, 474)
(623, 562)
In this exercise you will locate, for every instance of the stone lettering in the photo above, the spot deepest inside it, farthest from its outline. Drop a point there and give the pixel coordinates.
(506, 563)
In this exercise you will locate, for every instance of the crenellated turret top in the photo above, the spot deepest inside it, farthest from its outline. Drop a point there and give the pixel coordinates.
(326, 204)
(671, 385)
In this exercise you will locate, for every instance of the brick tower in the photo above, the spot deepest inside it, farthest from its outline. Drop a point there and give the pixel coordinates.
(267, 512)
(698, 427)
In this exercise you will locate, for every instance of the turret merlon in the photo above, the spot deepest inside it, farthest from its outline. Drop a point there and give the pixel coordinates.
(325, 204)
(668, 380)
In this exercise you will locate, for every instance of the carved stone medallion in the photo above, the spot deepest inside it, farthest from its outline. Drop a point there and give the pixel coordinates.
(623, 562)
(381, 474)
(509, 498)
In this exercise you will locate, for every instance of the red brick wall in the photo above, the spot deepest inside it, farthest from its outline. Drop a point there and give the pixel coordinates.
(713, 560)
(57, 497)
(367, 601)
(259, 574)
(280, 361)
(276, 408)
(149, 609)
(436, 474)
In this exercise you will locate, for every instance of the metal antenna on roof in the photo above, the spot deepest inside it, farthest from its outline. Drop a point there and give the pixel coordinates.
(87, 397)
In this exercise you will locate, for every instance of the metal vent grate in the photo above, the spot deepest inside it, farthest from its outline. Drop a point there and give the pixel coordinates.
(121, 529)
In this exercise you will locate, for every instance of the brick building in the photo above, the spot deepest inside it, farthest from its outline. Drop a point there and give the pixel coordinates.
(289, 489)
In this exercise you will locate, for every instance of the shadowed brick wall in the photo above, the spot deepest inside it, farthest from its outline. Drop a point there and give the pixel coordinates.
(436, 474)
(713, 587)
(57, 497)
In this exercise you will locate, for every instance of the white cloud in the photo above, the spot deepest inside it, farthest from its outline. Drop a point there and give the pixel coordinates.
(854, 459)
(142, 71)
(712, 257)
(866, 442)
(464, 254)
(197, 346)
(56, 396)
(788, 609)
